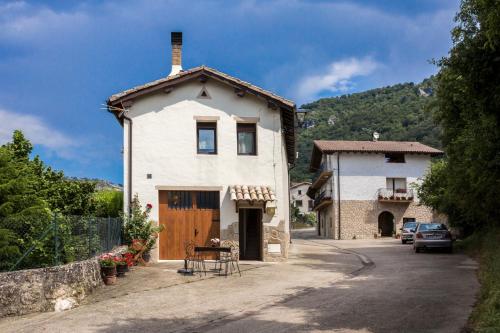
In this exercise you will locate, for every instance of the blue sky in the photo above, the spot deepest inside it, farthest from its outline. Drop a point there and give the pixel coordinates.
(60, 60)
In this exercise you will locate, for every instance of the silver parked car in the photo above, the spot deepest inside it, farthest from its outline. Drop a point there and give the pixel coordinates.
(407, 232)
(432, 235)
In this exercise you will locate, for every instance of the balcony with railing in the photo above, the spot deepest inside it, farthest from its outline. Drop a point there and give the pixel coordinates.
(322, 199)
(395, 195)
(321, 176)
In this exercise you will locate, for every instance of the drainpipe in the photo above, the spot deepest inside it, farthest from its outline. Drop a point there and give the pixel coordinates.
(338, 186)
(290, 204)
(129, 194)
(120, 117)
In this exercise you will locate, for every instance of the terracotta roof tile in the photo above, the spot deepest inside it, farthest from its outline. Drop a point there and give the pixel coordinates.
(251, 193)
(375, 147)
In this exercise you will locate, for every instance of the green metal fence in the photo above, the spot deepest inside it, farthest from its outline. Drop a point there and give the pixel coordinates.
(46, 241)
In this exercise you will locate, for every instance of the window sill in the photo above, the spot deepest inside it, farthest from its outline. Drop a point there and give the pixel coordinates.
(247, 156)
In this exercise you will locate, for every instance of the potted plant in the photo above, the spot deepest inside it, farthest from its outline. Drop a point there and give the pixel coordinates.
(140, 232)
(147, 256)
(108, 268)
(129, 258)
(121, 266)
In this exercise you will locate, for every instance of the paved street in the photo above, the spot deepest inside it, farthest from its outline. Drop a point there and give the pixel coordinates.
(326, 286)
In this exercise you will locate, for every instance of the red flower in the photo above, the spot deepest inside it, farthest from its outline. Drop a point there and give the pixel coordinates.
(129, 258)
(149, 206)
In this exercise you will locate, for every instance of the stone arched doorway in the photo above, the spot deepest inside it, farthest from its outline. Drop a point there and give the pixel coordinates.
(386, 224)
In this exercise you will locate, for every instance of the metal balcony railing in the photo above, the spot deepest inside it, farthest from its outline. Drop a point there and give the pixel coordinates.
(322, 197)
(394, 195)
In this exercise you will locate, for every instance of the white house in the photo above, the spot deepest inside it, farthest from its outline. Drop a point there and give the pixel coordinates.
(299, 198)
(363, 189)
(211, 153)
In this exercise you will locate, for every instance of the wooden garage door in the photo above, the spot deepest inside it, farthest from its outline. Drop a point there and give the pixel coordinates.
(187, 215)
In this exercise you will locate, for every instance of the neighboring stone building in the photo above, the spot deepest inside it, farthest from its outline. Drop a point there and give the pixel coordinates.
(211, 153)
(362, 189)
(299, 198)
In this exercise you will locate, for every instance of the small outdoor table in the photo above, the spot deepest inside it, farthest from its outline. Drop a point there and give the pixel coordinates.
(218, 249)
(212, 249)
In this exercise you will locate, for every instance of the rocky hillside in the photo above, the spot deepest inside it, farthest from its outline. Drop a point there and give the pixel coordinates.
(400, 112)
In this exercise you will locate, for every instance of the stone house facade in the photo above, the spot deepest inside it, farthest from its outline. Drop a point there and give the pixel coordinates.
(365, 189)
(211, 153)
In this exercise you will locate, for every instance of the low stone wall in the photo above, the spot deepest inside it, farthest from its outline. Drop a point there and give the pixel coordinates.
(47, 289)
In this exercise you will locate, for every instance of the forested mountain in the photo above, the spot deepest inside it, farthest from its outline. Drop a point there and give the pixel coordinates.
(400, 112)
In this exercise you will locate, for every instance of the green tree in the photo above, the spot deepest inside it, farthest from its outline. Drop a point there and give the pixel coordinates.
(9, 251)
(467, 185)
(22, 210)
(31, 193)
(20, 146)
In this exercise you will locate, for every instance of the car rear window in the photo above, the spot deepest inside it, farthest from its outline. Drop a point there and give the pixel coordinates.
(432, 226)
(410, 225)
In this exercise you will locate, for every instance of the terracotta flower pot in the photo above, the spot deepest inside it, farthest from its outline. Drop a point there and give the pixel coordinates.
(109, 280)
(108, 274)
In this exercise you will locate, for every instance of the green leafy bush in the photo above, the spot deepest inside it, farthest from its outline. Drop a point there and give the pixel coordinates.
(483, 245)
(108, 203)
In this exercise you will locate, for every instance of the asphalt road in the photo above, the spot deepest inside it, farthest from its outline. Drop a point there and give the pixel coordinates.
(367, 286)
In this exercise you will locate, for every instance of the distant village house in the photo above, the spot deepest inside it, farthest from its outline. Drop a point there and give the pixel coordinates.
(299, 198)
(363, 189)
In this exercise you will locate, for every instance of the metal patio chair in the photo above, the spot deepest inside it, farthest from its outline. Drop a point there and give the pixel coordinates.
(196, 261)
(230, 259)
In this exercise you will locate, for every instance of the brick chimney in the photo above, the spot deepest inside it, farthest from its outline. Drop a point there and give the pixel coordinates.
(176, 38)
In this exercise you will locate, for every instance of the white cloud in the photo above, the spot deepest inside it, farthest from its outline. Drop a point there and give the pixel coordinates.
(35, 130)
(336, 77)
(21, 22)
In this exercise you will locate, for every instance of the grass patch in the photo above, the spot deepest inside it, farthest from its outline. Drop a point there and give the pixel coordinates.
(485, 246)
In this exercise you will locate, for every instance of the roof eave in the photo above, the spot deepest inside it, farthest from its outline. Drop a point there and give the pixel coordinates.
(193, 73)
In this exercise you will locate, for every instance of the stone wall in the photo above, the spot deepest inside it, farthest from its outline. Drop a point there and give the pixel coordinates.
(275, 240)
(359, 219)
(47, 289)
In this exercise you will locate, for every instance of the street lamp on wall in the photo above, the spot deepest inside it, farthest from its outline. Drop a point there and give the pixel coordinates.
(271, 208)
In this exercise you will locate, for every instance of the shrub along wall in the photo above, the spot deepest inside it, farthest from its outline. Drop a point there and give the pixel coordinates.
(47, 289)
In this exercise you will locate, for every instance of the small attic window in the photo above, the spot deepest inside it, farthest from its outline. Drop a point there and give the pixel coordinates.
(204, 93)
(395, 158)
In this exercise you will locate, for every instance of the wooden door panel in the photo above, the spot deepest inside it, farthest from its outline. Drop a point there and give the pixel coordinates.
(181, 224)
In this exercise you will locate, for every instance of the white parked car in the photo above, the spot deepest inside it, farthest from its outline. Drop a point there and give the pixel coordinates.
(407, 232)
(432, 235)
